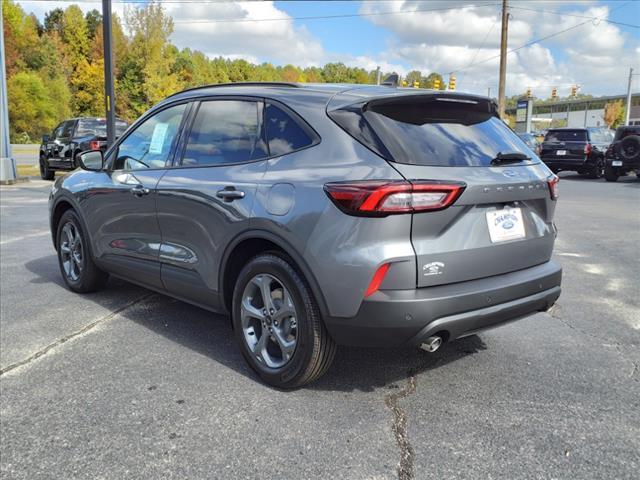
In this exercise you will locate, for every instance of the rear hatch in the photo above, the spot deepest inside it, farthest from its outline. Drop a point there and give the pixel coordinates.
(565, 144)
(502, 221)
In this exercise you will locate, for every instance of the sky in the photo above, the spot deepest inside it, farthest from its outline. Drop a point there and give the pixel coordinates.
(599, 45)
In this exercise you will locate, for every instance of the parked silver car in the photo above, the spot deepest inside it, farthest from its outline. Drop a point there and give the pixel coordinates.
(318, 215)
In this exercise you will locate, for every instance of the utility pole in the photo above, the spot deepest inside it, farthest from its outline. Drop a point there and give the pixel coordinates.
(8, 172)
(503, 57)
(378, 75)
(628, 113)
(109, 95)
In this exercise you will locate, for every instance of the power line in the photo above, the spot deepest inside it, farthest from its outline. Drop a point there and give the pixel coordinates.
(533, 42)
(562, 14)
(324, 17)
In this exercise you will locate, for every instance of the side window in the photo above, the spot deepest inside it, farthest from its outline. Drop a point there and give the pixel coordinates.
(284, 134)
(57, 133)
(224, 132)
(151, 143)
(67, 129)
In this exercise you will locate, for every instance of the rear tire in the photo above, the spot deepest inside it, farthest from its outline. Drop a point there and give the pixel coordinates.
(597, 170)
(45, 172)
(610, 175)
(277, 323)
(75, 257)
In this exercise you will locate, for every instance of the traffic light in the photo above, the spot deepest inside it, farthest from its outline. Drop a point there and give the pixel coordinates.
(529, 92)
(554, 93)
(574, 91)
(416, 84)
(452, 82)
(436, 84)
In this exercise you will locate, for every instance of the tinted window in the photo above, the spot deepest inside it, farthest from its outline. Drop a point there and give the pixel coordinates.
(67, 128)
(428, 131)
(98, 126)
(566, 136)
(226, 131)
(151, 143)
(284, 133)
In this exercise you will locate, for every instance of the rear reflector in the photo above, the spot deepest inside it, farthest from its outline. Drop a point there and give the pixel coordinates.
(552, 181)
(385, 197)
(377, 280)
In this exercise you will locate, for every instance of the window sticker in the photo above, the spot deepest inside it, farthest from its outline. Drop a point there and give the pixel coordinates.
(158, 137)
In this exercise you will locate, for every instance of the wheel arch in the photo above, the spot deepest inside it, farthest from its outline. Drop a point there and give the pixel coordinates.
(60, 206)
(251, 243)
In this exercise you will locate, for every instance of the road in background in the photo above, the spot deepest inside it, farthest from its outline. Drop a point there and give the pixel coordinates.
(125, 383)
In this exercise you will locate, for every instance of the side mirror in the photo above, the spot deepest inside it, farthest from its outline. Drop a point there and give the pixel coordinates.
(91, 160)
(45, 138)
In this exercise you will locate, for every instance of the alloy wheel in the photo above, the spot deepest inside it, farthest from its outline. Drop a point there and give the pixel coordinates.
(269, 321)
(71, 254)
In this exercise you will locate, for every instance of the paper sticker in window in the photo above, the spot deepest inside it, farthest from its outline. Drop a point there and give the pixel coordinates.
(158, 138)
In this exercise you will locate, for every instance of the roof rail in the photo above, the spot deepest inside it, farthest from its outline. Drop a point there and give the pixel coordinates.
(240, 84)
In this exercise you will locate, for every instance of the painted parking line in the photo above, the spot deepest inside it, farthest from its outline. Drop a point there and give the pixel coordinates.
(23, 237)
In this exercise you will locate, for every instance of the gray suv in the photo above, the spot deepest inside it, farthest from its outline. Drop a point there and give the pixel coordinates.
(317, 216)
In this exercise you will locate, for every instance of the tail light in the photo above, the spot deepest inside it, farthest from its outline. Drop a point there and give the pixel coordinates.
(95, 145)
(587, 149)
(385, 197)
(553, 181)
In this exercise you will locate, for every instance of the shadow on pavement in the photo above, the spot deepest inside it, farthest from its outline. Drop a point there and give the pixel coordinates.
(210, 334)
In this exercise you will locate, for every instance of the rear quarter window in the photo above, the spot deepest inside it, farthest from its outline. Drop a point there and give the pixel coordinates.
(285, 134)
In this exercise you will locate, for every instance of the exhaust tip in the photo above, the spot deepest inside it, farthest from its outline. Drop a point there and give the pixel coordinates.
(431, 344)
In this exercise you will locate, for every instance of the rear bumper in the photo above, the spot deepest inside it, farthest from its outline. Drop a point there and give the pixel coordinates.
(395, 318)
(626, 164)
(567, 163)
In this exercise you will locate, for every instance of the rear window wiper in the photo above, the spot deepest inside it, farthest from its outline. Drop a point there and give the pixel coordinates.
(509, 157)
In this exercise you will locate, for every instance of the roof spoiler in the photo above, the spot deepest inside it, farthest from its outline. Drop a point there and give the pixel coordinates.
(392, 80)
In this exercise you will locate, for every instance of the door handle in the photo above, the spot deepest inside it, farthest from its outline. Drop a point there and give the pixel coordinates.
(229, 194)
(139, 191)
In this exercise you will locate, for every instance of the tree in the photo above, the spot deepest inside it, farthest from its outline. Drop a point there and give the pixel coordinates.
(75, 35)
(93, 19)
(614, 113)
(53, 21)
(413, 76)
(430, 81)
(88, 87)
(31, 110)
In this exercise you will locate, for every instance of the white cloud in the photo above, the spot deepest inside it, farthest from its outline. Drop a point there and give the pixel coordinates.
(278, 41)
(596, 55)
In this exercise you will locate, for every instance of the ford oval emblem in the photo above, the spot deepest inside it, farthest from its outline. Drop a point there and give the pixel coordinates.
(509, 173)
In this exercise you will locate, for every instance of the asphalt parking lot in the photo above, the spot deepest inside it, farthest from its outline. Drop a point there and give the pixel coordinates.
(131, 384)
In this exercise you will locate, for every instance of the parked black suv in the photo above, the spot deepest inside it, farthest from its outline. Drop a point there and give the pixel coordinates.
(59, 151)
(578, 149)
(623, 155)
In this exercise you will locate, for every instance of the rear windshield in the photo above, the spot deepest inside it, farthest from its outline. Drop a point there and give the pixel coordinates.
(98, 127)
(425, 130)
(566, 136)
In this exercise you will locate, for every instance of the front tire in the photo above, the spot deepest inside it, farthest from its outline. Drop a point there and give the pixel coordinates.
(77, 267)
(277, 323)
